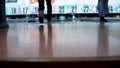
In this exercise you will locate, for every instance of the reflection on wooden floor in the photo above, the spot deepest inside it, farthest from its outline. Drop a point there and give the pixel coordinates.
(67, 40)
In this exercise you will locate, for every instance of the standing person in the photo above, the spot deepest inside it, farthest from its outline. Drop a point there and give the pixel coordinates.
(41, 10)
(102, 9)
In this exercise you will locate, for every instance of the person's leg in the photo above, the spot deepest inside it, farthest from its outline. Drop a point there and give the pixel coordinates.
(49, 10)
(3, 23)
(41, 11)
(102, 9)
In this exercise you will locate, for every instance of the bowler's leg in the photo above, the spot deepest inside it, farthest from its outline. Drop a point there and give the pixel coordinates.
(49, 10)
(3, 23)
(41, 11)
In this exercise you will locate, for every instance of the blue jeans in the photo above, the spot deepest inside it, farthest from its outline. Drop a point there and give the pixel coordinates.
(102, 7)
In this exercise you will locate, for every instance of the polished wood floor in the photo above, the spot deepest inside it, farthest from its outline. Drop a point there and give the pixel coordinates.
(76, 41)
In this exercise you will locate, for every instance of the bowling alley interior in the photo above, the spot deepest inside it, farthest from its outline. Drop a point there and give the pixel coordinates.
(73, 37)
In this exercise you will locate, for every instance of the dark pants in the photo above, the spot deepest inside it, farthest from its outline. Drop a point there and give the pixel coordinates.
(103, 7)
(3, 23)
(2, 11)
(49, 8)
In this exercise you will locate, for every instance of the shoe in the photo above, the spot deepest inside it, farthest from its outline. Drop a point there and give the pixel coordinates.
(103, 20)
(49, 18)
(49, 21)
(4, 25)
(41, 20)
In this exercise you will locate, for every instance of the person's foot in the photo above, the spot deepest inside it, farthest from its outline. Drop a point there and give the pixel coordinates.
(41, 20)
(49, 21)
(4, 25)
(48, 18)
(102, 19)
